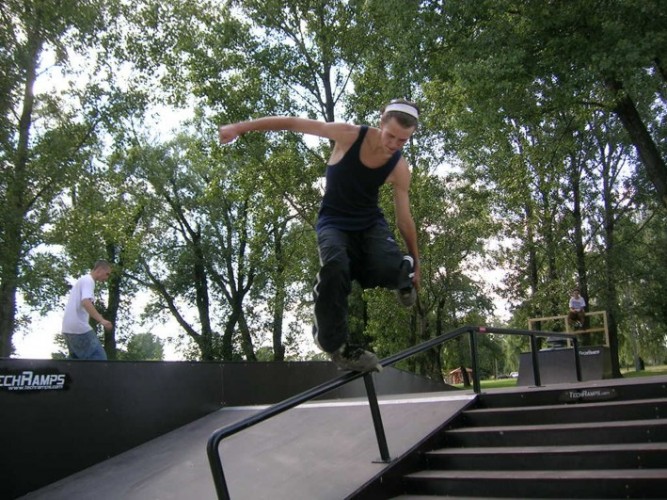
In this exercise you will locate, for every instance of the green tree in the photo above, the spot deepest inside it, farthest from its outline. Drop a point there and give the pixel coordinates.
(297, 48)
(453, 223)
(99, 217)
(44, 139)
(176, 262)
(582, 55)
(549, 77)
(143, 347)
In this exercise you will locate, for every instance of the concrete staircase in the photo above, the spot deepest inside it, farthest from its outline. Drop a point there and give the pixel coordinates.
(588, 442)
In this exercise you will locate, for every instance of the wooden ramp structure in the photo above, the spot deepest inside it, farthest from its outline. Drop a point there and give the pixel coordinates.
(591, 318)
(557, 363)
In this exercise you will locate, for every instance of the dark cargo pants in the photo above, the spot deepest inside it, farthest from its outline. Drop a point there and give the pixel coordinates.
(372, 257)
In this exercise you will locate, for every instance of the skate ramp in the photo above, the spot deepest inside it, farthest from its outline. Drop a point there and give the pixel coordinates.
(60, 416)
(323, 450)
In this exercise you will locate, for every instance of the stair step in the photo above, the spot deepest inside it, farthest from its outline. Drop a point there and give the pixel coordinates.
(408, 496)
(629, 390)
(610, 456)
(634, 431)
(568, 413)
(617, 483)
(544, 444)
(450, 497)
(545, 475)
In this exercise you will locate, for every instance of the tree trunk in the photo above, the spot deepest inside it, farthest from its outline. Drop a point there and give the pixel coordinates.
(116, 254)
(462, 363)
(429, 364)
(648, 151)
(661, 68)
(206, 344)
(279, 298)
(277, 327)
(246, 340)
(200, 282)
(533, 272)
(111, 313)
(610, 294)
(16, 205)
(7, 306)
(577, 222)
(227, 350)
(439, 330)
(550, 253)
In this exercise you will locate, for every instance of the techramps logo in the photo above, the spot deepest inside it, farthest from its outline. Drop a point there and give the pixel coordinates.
(33, 380)
(576, 395)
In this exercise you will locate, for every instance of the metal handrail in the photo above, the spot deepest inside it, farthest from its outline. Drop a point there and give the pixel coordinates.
(212, 447)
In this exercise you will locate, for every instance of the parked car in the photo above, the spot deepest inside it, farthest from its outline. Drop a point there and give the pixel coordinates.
(514, 375)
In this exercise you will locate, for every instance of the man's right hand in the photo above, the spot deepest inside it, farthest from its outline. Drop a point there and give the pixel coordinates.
(227, 133)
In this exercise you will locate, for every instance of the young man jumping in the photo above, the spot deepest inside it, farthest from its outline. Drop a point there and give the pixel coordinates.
(353, 237)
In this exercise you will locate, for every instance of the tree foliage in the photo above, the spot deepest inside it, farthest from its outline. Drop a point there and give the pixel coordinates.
(541, 152)
(46, 138)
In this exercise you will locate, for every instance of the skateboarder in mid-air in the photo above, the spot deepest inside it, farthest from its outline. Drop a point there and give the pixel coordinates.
(353, 237)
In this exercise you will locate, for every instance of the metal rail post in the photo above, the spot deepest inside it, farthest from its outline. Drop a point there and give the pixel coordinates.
(536, 362)
(476, 385)
(216, 469)
(577, 361)
(377, 418)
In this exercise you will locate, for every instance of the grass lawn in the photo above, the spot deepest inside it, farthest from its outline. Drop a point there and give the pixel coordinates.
(648, 371)
(627, 373)
(493, 384)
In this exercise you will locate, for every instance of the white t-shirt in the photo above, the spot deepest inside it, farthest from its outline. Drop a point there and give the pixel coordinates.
(76, 317)
(577, 303)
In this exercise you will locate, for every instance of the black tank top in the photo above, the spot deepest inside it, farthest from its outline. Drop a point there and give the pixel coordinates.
(350, 201)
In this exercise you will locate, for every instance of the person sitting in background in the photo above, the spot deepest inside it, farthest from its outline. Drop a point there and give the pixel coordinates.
(576, 315)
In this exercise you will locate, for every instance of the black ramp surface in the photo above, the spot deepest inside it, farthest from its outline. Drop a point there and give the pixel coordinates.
(320, 450)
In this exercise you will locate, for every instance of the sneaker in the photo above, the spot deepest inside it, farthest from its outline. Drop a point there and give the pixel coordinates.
(408, 296)
(356, 359)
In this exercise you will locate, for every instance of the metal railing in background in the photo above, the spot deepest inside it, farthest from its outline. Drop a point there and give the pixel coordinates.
(213, 444)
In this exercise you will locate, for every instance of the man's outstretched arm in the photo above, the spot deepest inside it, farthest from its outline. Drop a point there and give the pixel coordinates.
(337, 132)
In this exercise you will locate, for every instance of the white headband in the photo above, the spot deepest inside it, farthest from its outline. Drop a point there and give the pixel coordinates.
(403, 108)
